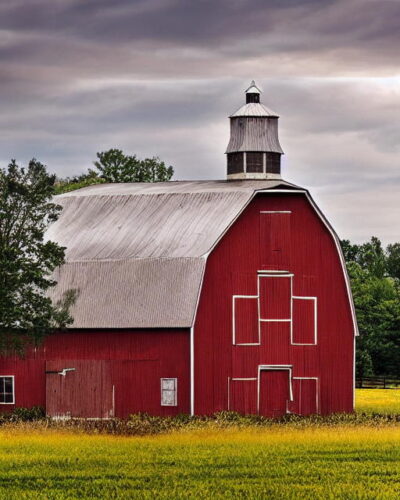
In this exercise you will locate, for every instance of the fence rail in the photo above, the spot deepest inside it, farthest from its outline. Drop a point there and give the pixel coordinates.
(378, 383)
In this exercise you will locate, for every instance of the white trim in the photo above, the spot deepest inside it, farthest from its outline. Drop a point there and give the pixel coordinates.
(191, 357)
(244, 163)
(261, 368)
(317, 394)
(275, 211)
(276, 274)
(272, 272)
(237, 379)
(275, 320)
(113, 401)
(12, 377)
(243, 379)
(234, 297)
(280, 274)
(175, 390)
(315, 299)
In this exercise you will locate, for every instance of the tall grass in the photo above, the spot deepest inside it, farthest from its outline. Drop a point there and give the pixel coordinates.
(381, 401)
(278, 463)
(225, 456)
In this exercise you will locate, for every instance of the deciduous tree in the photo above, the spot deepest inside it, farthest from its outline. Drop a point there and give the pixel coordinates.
(27, 261)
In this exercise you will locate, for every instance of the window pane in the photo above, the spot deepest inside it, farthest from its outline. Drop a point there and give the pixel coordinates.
(168, 384)
(7, 384)
(168, 398)
(8, 398)
(6, 390)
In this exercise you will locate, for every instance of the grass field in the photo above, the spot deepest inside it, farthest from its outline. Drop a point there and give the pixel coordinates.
(279, 462)
(378, 400)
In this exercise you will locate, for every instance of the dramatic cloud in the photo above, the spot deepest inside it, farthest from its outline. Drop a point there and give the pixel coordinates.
(160, 77)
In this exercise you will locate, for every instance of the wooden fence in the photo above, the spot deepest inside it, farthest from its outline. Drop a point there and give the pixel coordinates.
(382, 382)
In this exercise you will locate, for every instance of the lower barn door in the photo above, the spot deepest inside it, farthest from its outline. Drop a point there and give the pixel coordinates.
(305, 396)
(79, 388)
(274, 392)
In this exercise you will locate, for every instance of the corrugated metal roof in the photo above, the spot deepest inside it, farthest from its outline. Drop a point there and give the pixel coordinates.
(136, 252)
(136, 293)
(254, 134)
(254, 109)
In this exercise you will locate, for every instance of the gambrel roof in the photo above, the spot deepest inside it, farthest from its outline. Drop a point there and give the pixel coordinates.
(136, 253)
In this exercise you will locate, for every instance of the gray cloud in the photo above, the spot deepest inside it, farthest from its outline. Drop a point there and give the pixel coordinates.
(160, 77)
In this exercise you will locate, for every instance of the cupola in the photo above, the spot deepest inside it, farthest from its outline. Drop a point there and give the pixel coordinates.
(254, 151)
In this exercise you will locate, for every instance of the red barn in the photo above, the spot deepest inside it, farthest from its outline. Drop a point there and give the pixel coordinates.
(196, 297)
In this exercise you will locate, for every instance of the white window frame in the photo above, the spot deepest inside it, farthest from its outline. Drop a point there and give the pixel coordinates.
(13, 389)
(175, 390)
(315, 302)
(265, 274)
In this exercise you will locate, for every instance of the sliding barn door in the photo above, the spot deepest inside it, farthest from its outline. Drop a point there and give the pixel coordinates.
(79, 388)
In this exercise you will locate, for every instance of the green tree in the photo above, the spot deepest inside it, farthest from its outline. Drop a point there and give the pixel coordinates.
(77, 182)
(27, 315)
(115, 166)
(376, 292)
(393, 260)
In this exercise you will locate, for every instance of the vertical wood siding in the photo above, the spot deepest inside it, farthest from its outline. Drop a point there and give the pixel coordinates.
(297, 242)
(115, 373)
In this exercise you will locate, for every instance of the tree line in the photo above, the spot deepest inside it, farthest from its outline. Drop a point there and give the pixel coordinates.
(375, 281)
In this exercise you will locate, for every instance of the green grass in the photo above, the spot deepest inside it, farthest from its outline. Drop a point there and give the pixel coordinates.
(282, 461)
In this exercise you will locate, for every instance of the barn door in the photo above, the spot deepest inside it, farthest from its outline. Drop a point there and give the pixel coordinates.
(274, 392)
(79, 388)
(305, 396)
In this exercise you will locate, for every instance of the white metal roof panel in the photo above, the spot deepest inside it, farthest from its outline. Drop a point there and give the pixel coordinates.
(136, 252)
(254, 109)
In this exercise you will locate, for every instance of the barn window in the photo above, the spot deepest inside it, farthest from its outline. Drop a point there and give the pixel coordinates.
(254, 162)
(7, 390)
(235, 163)
(169, 391)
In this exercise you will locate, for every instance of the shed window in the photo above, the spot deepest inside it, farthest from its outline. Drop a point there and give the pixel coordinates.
(7, 390)
(169, 388)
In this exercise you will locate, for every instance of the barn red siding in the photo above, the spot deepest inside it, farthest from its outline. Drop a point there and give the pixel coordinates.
(125, 368)
(296, 241)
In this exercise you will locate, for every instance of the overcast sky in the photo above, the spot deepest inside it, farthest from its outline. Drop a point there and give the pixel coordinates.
(160, 77)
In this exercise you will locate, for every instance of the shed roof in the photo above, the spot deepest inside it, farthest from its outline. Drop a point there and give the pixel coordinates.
(136, 252)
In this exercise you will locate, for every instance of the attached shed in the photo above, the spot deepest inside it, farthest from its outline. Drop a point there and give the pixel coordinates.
(196, 297)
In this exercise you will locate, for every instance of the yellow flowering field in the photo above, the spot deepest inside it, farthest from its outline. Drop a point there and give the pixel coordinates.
(378, 400)
(282, 461)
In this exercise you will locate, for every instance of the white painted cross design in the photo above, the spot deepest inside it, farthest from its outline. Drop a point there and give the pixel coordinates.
(274, 302)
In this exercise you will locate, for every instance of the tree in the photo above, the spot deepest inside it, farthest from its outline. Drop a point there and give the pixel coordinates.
(393, 260)
(77, 182)
(27, 315)
(376, 293)
(115, 166)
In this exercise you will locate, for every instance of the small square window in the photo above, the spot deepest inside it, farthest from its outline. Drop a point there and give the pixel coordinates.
(169, 388)
(6, 390)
